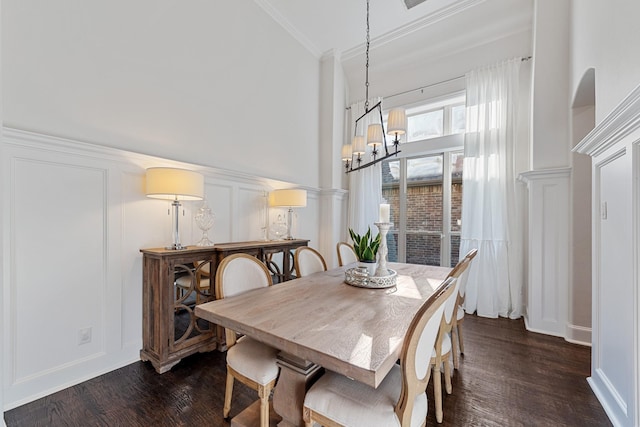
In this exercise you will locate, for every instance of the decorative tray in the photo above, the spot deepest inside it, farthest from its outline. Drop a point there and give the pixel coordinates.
(360, 278)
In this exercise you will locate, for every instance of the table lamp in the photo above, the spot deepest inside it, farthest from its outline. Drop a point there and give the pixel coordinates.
(288, 198)
(175, 185)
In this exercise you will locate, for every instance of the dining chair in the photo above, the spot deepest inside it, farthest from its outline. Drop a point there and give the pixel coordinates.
(457, 326)
(202, 284)
(401, 398)
(442, 350)
(346, 254)
(248, 361)
(308, 261)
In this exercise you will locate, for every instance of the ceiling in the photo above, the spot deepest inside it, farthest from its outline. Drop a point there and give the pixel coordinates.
(324, 26)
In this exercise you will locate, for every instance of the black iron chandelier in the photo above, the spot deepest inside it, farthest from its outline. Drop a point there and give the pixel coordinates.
(353, 154)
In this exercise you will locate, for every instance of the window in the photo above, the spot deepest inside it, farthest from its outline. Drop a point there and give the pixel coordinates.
(435, 119)
(425, 195)
(424, 186)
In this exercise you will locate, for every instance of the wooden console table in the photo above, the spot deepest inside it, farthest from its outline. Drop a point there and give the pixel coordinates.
(170, 329)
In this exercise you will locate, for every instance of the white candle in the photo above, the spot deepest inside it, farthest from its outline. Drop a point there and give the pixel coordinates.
(384, 212)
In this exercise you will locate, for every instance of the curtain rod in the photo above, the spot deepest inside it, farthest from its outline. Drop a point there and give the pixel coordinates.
(524, 58)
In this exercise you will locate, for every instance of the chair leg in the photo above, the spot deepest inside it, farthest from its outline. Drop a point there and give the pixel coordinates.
(228, 392)
(459, 330)
(437, 391)
(306, 416)
(454, 346)
(447, 374)
(263, 393)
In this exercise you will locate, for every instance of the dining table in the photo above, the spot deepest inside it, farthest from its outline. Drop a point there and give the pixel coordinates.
(321, 322)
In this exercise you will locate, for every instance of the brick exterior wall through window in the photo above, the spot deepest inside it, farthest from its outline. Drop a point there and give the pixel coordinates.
(424, 221)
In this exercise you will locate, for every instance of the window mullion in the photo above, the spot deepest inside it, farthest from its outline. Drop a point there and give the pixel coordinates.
(402, 217)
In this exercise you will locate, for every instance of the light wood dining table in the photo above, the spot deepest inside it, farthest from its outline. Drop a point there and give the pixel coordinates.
(320, 321)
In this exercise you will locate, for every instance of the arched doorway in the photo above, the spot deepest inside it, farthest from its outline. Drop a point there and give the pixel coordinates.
(582, 122)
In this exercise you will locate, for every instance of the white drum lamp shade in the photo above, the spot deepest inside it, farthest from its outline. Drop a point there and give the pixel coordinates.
(175, 185)
(288, 198)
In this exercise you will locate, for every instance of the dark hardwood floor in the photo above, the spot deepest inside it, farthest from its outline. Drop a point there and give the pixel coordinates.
(508, 377)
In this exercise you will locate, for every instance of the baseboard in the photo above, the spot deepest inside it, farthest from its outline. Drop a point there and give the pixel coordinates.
(604, 402)
(574, 334)
(578, 335)
(528, 327)
(11, 405)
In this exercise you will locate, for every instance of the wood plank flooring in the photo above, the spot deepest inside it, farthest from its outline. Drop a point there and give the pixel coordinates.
(508, 377)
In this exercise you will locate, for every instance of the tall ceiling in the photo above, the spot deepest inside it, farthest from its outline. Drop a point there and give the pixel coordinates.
(340, 25)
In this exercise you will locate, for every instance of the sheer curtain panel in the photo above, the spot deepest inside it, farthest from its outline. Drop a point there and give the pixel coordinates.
(365, 186)
(489, 209)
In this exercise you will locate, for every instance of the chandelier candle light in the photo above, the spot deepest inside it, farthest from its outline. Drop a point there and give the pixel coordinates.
(396, 125)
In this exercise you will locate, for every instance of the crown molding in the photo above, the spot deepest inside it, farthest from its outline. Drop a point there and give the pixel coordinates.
(412, 27)
(620, 122)
(289, 27)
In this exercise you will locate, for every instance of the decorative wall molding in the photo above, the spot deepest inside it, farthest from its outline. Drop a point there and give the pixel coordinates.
(548, 263)
(615, 362)
(55, 144)
(121, 221)
(412, 27)
(623, 120)
(280, 19)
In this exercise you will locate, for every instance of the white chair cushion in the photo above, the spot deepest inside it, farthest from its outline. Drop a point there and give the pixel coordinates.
(446, 346)
(460, 313)
(352, 403)
(185, 282)
(254, 360)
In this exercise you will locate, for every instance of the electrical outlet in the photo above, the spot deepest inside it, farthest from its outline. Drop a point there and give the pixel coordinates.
(84, 336)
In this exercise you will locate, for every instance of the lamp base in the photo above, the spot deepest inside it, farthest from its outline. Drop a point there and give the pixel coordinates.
(176, 247)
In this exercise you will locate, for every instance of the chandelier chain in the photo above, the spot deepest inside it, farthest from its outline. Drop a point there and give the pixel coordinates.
(366, 82)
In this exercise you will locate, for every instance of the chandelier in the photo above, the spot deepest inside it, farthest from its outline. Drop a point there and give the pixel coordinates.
(353, 154)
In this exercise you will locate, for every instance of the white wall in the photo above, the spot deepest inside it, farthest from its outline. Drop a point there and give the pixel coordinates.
(605, 37)
(75, 218)
(217, 84)
(1, 248)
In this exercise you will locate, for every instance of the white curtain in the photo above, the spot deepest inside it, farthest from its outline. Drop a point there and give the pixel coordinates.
(365, 186)
(489, 208)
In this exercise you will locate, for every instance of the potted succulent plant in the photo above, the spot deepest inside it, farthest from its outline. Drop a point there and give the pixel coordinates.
(366, 249)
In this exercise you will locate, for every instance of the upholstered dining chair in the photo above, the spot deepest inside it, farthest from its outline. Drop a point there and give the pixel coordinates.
(308, 261)
(442, 350)
(456, 337)
(401, 398)
(346, 254)
(248, 361)
(202, 284)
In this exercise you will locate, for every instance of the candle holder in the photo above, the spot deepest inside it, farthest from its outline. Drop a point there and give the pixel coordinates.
(383, 227)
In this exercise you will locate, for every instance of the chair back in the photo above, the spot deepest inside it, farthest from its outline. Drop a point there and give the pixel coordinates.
(463, 277)
(236, 274)
(417, 348)
(346, 254)
(308, 261)
(450, 305)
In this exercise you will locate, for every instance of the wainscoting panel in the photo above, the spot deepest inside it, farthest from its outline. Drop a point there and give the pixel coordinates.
(614, 145)
(60, 208)
(548, 261)
(76, 217)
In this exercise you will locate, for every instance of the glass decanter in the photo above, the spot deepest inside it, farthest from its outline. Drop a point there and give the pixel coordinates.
(204, 220)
